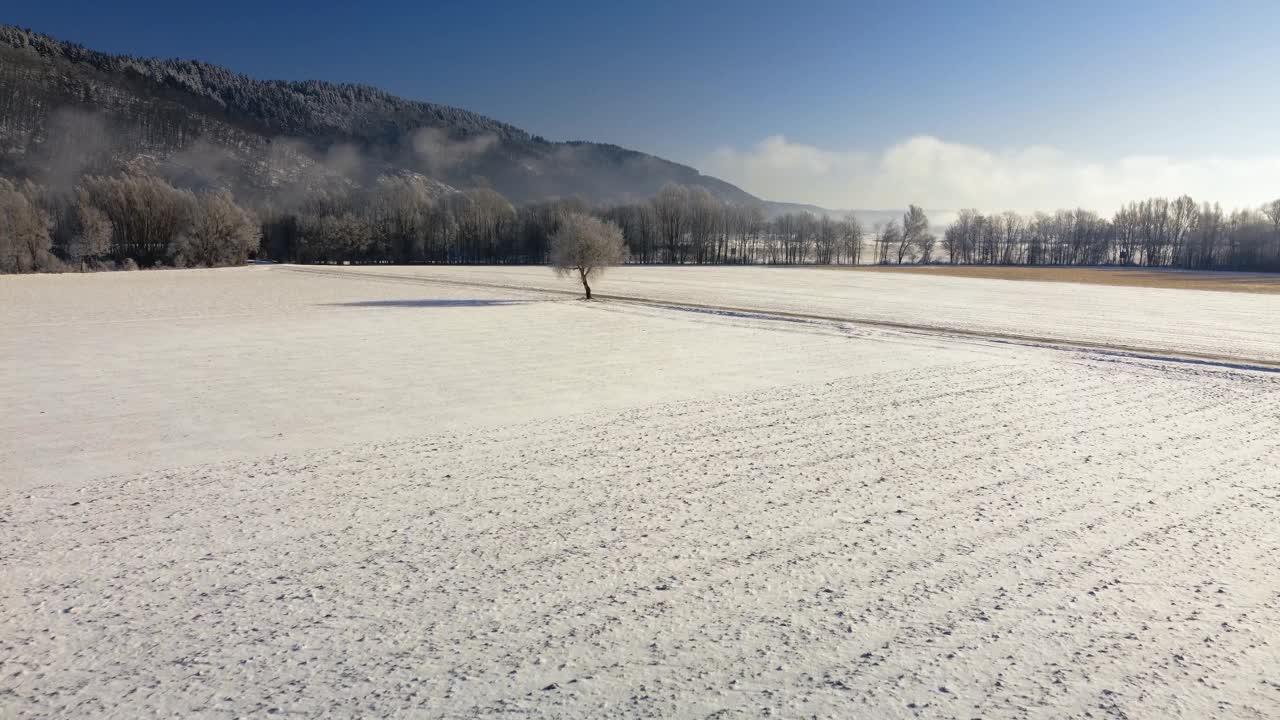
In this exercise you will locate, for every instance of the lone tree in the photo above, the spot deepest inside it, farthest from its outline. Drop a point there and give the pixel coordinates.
(586, 245)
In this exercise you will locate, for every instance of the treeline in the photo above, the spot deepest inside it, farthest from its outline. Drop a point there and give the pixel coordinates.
(405, 220)
(689, 225)
(142, 221)
(122, 222)
(1152, 233)
(132, 220)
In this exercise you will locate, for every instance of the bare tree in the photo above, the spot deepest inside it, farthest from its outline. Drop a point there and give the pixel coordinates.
(704, 214)
(906, 243)
(887, 237)
(924, 246)
(959, 238)
(1181, 219)
(915, 226)
(671, 206)
(1206, 236)
(1014, 231)
(825, 241)
(639, 223)
(1272, 211)
(851, 235)
(1126, 227)
(586, 245)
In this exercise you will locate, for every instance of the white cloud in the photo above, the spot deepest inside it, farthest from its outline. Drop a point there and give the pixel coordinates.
(937, 174)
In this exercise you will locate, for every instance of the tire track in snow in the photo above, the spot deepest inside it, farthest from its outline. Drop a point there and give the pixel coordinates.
(1141, 352)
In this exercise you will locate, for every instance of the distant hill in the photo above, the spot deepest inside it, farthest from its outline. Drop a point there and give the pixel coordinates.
(66, 109)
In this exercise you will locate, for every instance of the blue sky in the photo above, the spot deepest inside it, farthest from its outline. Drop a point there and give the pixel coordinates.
(996, 104)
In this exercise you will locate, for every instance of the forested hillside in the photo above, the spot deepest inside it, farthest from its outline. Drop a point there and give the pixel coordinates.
(66, 109)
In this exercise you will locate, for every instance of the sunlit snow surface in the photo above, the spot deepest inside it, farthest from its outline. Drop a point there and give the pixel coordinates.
(358, 492)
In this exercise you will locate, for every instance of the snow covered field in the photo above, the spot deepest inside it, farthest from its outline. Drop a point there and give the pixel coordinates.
(1186, 321)
(357, 492)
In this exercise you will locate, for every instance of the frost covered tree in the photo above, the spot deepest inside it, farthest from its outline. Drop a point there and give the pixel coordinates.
(147, 214)
(484, 217)
(221, 233)
(91, 232)
(24, 232)
(586, 245)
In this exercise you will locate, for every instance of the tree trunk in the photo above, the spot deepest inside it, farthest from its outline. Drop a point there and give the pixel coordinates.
(586, 288)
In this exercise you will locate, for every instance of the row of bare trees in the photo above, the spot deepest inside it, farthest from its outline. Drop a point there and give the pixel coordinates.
(1153, 233)
(120, 221)
(409, 219)
(689, 225)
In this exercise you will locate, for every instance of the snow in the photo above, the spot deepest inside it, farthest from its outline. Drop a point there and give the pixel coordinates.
(117, 373)
(361, 493)
(1240, 325)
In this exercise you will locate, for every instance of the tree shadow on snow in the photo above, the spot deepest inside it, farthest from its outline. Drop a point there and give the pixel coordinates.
(429, 303)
